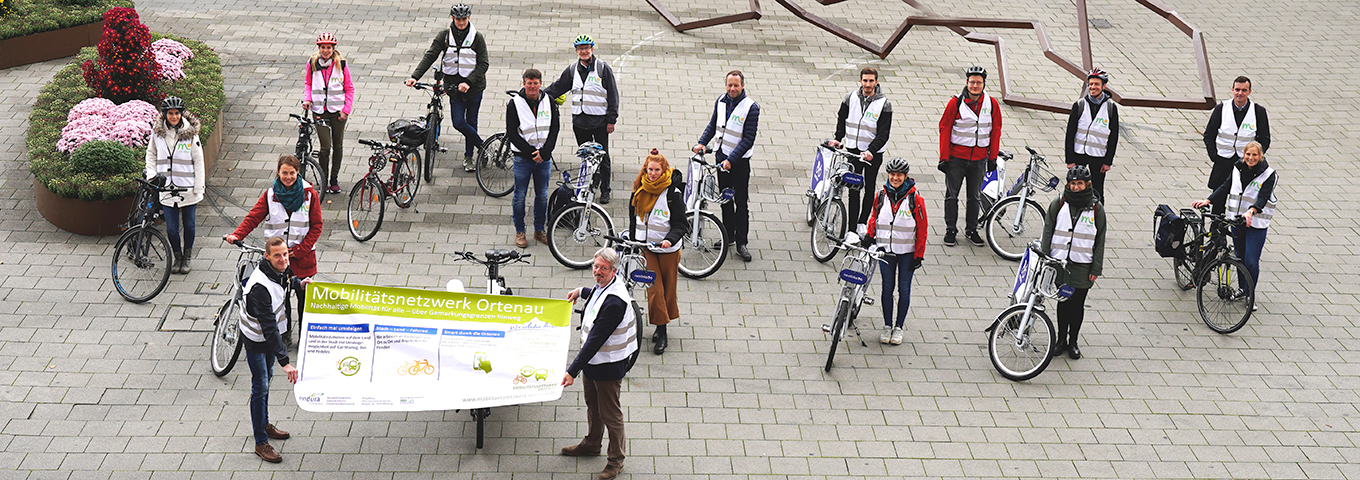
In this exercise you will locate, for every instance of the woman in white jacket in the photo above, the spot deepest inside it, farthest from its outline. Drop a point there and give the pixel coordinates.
(175, 151)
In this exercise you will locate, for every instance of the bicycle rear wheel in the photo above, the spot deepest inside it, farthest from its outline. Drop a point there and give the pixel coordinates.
(830, 228)
(406, 180)
(1225, 294)
(367, 204)
(811, 210)
(226, 338)
(1021, 355)
(576, 233)
(838, 324)
(1184, 264)
(141, 264)
(312, 174)
(704, 249)
(1009, 237)
(495, 167)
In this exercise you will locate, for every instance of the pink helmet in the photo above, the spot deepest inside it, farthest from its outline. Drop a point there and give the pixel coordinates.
(326, 38)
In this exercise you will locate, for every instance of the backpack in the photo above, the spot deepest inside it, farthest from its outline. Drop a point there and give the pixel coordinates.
(1169, 232)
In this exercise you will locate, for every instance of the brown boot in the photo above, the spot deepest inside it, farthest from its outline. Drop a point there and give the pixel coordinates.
(267, 453)
(579, 451)
(521, 241)
(610, 471)
(541, 237)
(274, 432)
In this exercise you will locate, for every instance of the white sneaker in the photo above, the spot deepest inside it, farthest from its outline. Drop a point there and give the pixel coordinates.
(886, 336)
(896, 336)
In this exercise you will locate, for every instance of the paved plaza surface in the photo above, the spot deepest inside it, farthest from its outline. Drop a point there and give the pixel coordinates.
(94, 387)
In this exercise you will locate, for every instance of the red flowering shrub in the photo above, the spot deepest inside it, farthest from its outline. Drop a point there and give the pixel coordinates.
(126, 68)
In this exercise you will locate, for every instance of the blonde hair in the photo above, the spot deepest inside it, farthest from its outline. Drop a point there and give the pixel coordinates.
(1256, 144)
(656, 156)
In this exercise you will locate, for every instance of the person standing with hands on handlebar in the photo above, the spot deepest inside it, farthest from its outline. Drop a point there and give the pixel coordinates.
(531, 126)
(1074, 231)
(897, 223)
(1250, 194)
(970, 139)
(594, 104)
(734, 121)
(328, 92)
(657, 216)
(262, 321)
(463, 73)
(175, 151)
(864, 122)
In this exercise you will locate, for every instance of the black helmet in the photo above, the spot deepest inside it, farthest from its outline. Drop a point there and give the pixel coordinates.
(1079, 172)
(172, 103)
(1098, 73)
(461, 10)
(975, 70)
(899, 165)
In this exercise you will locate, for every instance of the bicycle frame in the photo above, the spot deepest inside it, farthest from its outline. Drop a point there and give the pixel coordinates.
(702, 193)
(1025, 186)
(841, 177)
(1038, 283)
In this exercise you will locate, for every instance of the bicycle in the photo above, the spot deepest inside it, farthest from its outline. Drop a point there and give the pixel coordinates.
(434, 116)
(1224, 290)
(576, 232)
(143, 250)
(857, 271)
(1020, 340)
(1017, 219)
(311, 170)
(826, 210)
(225, 347)
(705, 246)
(496, 163)
(370, 192)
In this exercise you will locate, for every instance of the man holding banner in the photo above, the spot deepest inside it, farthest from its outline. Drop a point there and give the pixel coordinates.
(265, 312)
(609, 338)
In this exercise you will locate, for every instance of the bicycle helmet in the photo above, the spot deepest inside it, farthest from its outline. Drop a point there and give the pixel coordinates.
(461, 10)
(1098, 73)
(583, 39)
(172, 103)
(899, 165)
(1079, 172)
(975, 70)
(590, 149)
(325, 38)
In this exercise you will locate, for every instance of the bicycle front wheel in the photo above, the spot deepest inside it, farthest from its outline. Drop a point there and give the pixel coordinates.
(838, 324)
(1011, 226)
(226, 338)
(367, 204)
(432, 121)
(705, 248)
(495, 167)
(1225, 293)
(141, 264)
(406, 180)
(828, 231)
(811, 211)
(576, 233)
(1021, 355)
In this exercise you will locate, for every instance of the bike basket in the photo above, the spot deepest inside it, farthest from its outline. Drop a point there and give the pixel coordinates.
(642, 276)
(407, 132)
(1042, 178)
(581, 177)
(854, 277)
(714, 193)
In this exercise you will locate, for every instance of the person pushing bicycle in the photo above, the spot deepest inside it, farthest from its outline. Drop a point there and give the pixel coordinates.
(462, 70)
(897, 222)
(1074, 230)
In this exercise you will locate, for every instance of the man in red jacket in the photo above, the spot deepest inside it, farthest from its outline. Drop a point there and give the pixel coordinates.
(970, 137)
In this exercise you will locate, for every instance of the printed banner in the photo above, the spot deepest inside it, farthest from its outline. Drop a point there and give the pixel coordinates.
(375, 349)
(820, 162)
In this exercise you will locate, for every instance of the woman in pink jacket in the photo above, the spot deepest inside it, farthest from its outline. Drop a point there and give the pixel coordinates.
(329, 93)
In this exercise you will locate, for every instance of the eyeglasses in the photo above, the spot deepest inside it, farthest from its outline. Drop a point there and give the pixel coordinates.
(601, 268)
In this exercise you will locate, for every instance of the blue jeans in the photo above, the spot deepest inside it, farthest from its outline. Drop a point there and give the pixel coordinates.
(896, 272)
(464, 116)
(1247, 245)
(261, 369)
(172, 224)
(525, 168)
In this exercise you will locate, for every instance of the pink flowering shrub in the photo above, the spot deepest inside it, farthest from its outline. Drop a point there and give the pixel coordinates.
(171, 55)
(173, 48)
(99, 119)
(93, 106)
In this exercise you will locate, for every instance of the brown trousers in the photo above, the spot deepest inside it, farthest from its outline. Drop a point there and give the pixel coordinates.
(661, 304)
(603, 412)
(332, 144)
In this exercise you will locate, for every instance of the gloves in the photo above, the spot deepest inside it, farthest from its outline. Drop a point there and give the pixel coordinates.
(916, 263)
(867, 242)
(943, 166)
(991, 165)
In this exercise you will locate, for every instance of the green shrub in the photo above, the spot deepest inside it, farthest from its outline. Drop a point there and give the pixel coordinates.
(28, 17)
(104, 158)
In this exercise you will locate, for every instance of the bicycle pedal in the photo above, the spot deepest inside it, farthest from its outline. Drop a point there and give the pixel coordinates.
(826, 328)
(443, 150)
(868, 301)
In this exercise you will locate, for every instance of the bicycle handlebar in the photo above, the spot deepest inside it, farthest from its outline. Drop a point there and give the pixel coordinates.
(630, 243)
(247, 248)
(308, 121)
(376, 144)
(169, 188)
(495, 256)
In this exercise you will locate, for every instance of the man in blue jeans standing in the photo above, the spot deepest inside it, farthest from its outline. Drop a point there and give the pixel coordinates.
(263, 320)
(531, 124)
(463, 73)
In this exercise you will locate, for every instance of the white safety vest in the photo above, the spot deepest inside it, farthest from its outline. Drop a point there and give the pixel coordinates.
(657, 225)
(588, 96)
(896, 230)
(328, 96)
(731, 124)
(973, 129)
(621, 343)
(861, 126)
(533, 124)
(178, 163)
(1075, 243)
(1240, 198)
(1233, 138)
(460, 59)
(1093, 134)
(251, 326)
(293, 228)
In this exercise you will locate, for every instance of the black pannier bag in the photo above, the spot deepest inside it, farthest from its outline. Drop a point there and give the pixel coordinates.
(1169, 232)
(407, 132)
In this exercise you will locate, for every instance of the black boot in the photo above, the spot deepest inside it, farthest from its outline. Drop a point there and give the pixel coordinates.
(184, 260)
(659, 341)
(177, 263)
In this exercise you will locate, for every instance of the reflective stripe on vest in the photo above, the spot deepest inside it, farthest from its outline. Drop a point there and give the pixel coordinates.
(861, 126)
(623, 341)
(460, 59)
(1233, 138)
(1075, 243)
(328, 88)
(251, 326)
(729, 130)
(588, 96)
(896, 227)
(293, 228)
(973, 129)
(1240, 198)
(533, 125)
(656, 225)
(1093, 134)
(178, 166)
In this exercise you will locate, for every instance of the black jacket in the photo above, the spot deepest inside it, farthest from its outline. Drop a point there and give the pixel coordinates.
(1075, 116)
(476, 82)
(675, 199)
(608, 320)
(1246, 175)
(611, 88)
(748, 130)
(259, 305)
(512, 128)
(884, 121)
(1216, 120)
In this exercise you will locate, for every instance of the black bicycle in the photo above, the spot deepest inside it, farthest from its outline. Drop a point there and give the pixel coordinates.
(496, 163)
(307, 155)
(142, 257)
(1224, 289)
(434, 116)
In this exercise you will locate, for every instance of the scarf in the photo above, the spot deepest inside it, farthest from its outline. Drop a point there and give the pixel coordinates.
(895, 194)
(324, 62)
(1078, 200)
(291, 198)
(645, 195)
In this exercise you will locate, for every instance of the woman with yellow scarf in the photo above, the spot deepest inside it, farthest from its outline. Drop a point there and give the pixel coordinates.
(657, 216)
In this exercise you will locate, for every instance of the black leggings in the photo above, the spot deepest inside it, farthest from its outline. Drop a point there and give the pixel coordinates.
(859, 209)
(1070, 315)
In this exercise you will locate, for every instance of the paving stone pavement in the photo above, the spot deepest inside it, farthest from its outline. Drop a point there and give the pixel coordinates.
(94, 387)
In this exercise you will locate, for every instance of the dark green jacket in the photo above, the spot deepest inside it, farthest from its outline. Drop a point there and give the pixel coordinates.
(1078, 275)
(476, 82)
